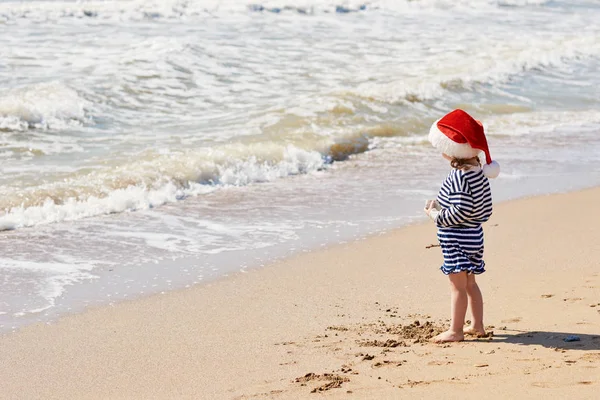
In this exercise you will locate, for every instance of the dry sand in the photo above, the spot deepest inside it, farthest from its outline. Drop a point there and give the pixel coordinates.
(342, 323)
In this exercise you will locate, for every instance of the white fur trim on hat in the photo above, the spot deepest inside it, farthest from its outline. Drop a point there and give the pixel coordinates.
(491, 170)
(444, 144)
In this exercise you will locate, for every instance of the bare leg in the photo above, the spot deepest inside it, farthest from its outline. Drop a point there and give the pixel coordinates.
(459, 302)
(476, 303)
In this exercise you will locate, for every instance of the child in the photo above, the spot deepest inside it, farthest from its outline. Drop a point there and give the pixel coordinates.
(463, 204)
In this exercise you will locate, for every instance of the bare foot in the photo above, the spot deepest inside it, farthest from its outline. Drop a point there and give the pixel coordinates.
(477, 332)
(448, 336)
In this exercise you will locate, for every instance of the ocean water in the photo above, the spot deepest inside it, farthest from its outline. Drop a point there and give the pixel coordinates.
(152, 145)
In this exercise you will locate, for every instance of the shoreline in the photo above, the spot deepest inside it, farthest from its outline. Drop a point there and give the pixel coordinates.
(112, 284)
(252, 334)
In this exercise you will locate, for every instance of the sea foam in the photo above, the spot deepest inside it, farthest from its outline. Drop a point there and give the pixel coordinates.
(43, 106)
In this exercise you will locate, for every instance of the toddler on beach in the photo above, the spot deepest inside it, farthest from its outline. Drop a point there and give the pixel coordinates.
(463, 204)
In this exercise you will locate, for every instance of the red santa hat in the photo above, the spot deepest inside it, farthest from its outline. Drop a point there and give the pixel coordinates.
(459, 135)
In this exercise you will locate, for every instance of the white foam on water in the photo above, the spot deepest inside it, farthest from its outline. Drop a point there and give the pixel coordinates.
(486, 61)
(200, 236)
(172, 178)
(157, 9)
(156, 179)
(43, 106)
(51, 279)
(544, 123)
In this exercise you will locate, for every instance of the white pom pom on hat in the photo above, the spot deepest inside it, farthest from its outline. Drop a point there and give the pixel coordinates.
(491, 170)
(459, 135)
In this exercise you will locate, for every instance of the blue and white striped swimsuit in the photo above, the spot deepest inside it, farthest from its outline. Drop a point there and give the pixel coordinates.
(466, 201)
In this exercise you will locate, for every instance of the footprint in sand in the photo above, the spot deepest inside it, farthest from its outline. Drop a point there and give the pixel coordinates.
(541, 384)
(515, 319)
(440, 362)
(591, 357)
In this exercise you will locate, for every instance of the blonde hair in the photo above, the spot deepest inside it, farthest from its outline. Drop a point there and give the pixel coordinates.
(464, 163)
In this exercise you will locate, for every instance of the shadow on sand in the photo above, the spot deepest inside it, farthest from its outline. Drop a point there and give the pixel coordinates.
(551, 340)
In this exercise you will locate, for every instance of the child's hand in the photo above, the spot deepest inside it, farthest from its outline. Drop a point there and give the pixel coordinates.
(432, 209)
(428, 206)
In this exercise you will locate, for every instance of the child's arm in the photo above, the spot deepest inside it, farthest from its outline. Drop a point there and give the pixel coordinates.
(456, 201)
(460, 210)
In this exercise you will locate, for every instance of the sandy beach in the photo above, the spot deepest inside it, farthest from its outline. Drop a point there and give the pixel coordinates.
(351, 321)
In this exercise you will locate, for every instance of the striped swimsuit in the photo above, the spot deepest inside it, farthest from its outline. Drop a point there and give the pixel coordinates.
(466, 201)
